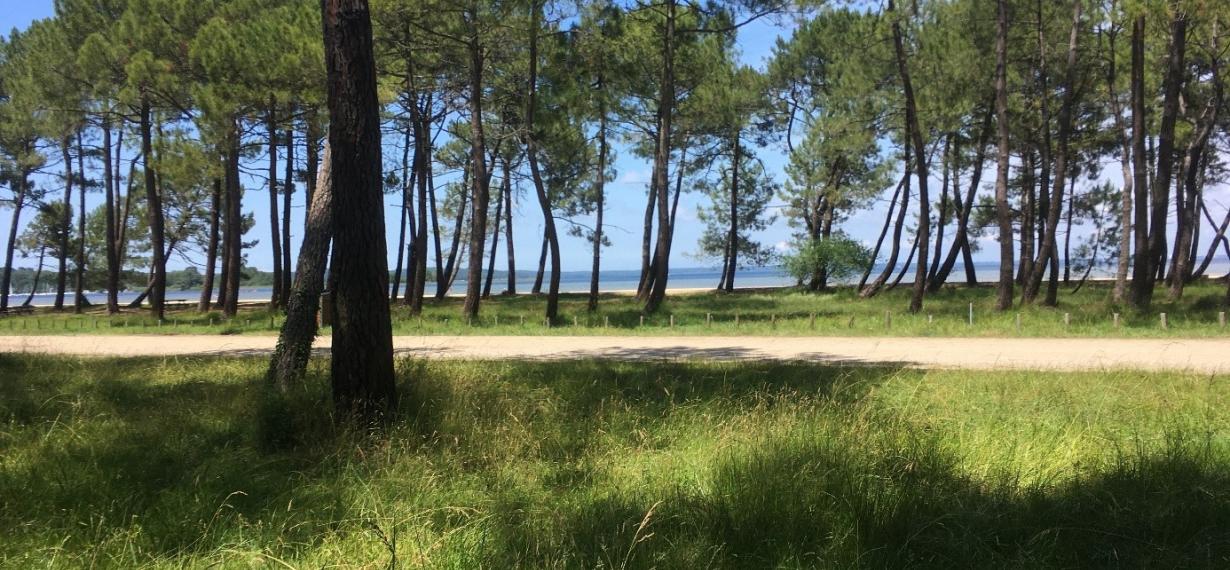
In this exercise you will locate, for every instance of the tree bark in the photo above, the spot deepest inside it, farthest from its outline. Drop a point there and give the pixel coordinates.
(1048, 249)
(362, 364)
(600, 198)
(661, 163)
(888, 220)
(405, 209)
(873, 288)
(1193, 165)
(294, 347)
(22, 185)
(1003, 212)
(65, 225)
(508, 241)
(1125, 164)
(481, 181)
(288, 190)
(495, 234)
(1160, 190)
(211, 249)
(234, 227)
(733, 238)
(1142, 266)
(960, 244)
(110, 189)
(275, 240)
(531, 155)
(920, 160)
(422, 158)
(153, 206)
(79, 300)
(443, 278)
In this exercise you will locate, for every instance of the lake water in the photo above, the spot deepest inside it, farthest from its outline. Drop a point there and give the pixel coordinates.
(618, 280)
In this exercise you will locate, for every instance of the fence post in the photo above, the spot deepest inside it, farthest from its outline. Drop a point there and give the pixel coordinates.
(971, 314)
(606, 322)
(672, 321)
(708, 319)
(1165, 325)
(642, 320)
(1018, 322)
(888, 319)
(1116, 320)
(1067, 320)
(812, 321)
(1221, 319)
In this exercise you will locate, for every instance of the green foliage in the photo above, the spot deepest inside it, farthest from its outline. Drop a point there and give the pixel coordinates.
(838, 256)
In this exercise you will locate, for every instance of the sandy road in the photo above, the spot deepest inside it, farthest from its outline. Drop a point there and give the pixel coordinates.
(1195, 355)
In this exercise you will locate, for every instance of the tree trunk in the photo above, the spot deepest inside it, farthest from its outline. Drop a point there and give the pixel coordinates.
(661, 163)
(600, 190)
(1142, 268)
(505, 187)
(65, 225)
(508, 240)
(542, 268)
(153, 206)
(211, 250)
(874, 287)
(888, 220)
(362, 364)
(275, 240)
(1171, 86)
(647, 240)
(1125, 165)
(1003, 213)
(22, 184)
(733, 237)
(405, 209)
(111, 189)
(531, 155)
(288, 190)
(443, 278)
(960, 244)
(482, 187)
(920, 170)
(942, 218)
(1193, 166)
(79, 300)
(38, 274)
(294, 346)
(1048, 249)
(234, 227)
(422, 158)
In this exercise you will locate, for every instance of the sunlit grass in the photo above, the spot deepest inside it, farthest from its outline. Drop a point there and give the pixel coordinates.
(786, 312)
(188, 462)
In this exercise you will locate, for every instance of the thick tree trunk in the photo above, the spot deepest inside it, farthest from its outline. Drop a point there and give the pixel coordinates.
(1029, 218)
(275, 240)
(1003, 213)
(920, 160)
(211, 249)
(294, 347)
(1142, 267)
(363, 381)
(1187, 239)
(153, 207)
(541, 274)
(65, 225)
(480, 179)
(1160, 190)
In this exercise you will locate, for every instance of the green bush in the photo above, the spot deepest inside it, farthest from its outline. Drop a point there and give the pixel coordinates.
(840, 256)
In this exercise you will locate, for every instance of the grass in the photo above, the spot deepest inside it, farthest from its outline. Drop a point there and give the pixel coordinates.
(186, 462)
(786, 312)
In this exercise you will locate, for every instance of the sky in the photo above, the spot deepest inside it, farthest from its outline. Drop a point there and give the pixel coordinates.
(625, 199)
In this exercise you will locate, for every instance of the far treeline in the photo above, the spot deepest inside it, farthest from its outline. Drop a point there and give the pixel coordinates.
(964, 117)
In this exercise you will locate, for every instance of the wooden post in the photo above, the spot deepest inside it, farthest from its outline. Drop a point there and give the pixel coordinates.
(497, 320)
(1116, 320)
(606, 322)
(575, 322)
(812, 321)
(708, 319)
(1221, 319)
(773, 321)
(1165, 325)
(930, 319)
(672, 321)
(888, 319)
(642, 320)
(971, 314)
(736, 320)
(1018, 322)
(522, 320)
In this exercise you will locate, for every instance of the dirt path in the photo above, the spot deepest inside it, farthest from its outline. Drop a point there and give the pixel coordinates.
(1207, 356)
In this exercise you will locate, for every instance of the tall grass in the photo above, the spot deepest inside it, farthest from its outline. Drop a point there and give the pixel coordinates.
(188, 462)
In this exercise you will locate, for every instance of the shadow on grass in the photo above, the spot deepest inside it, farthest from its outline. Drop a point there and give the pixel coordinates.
(557, 464)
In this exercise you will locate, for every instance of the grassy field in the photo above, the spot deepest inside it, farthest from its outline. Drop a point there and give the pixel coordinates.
(188, 463)
(766, 312)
